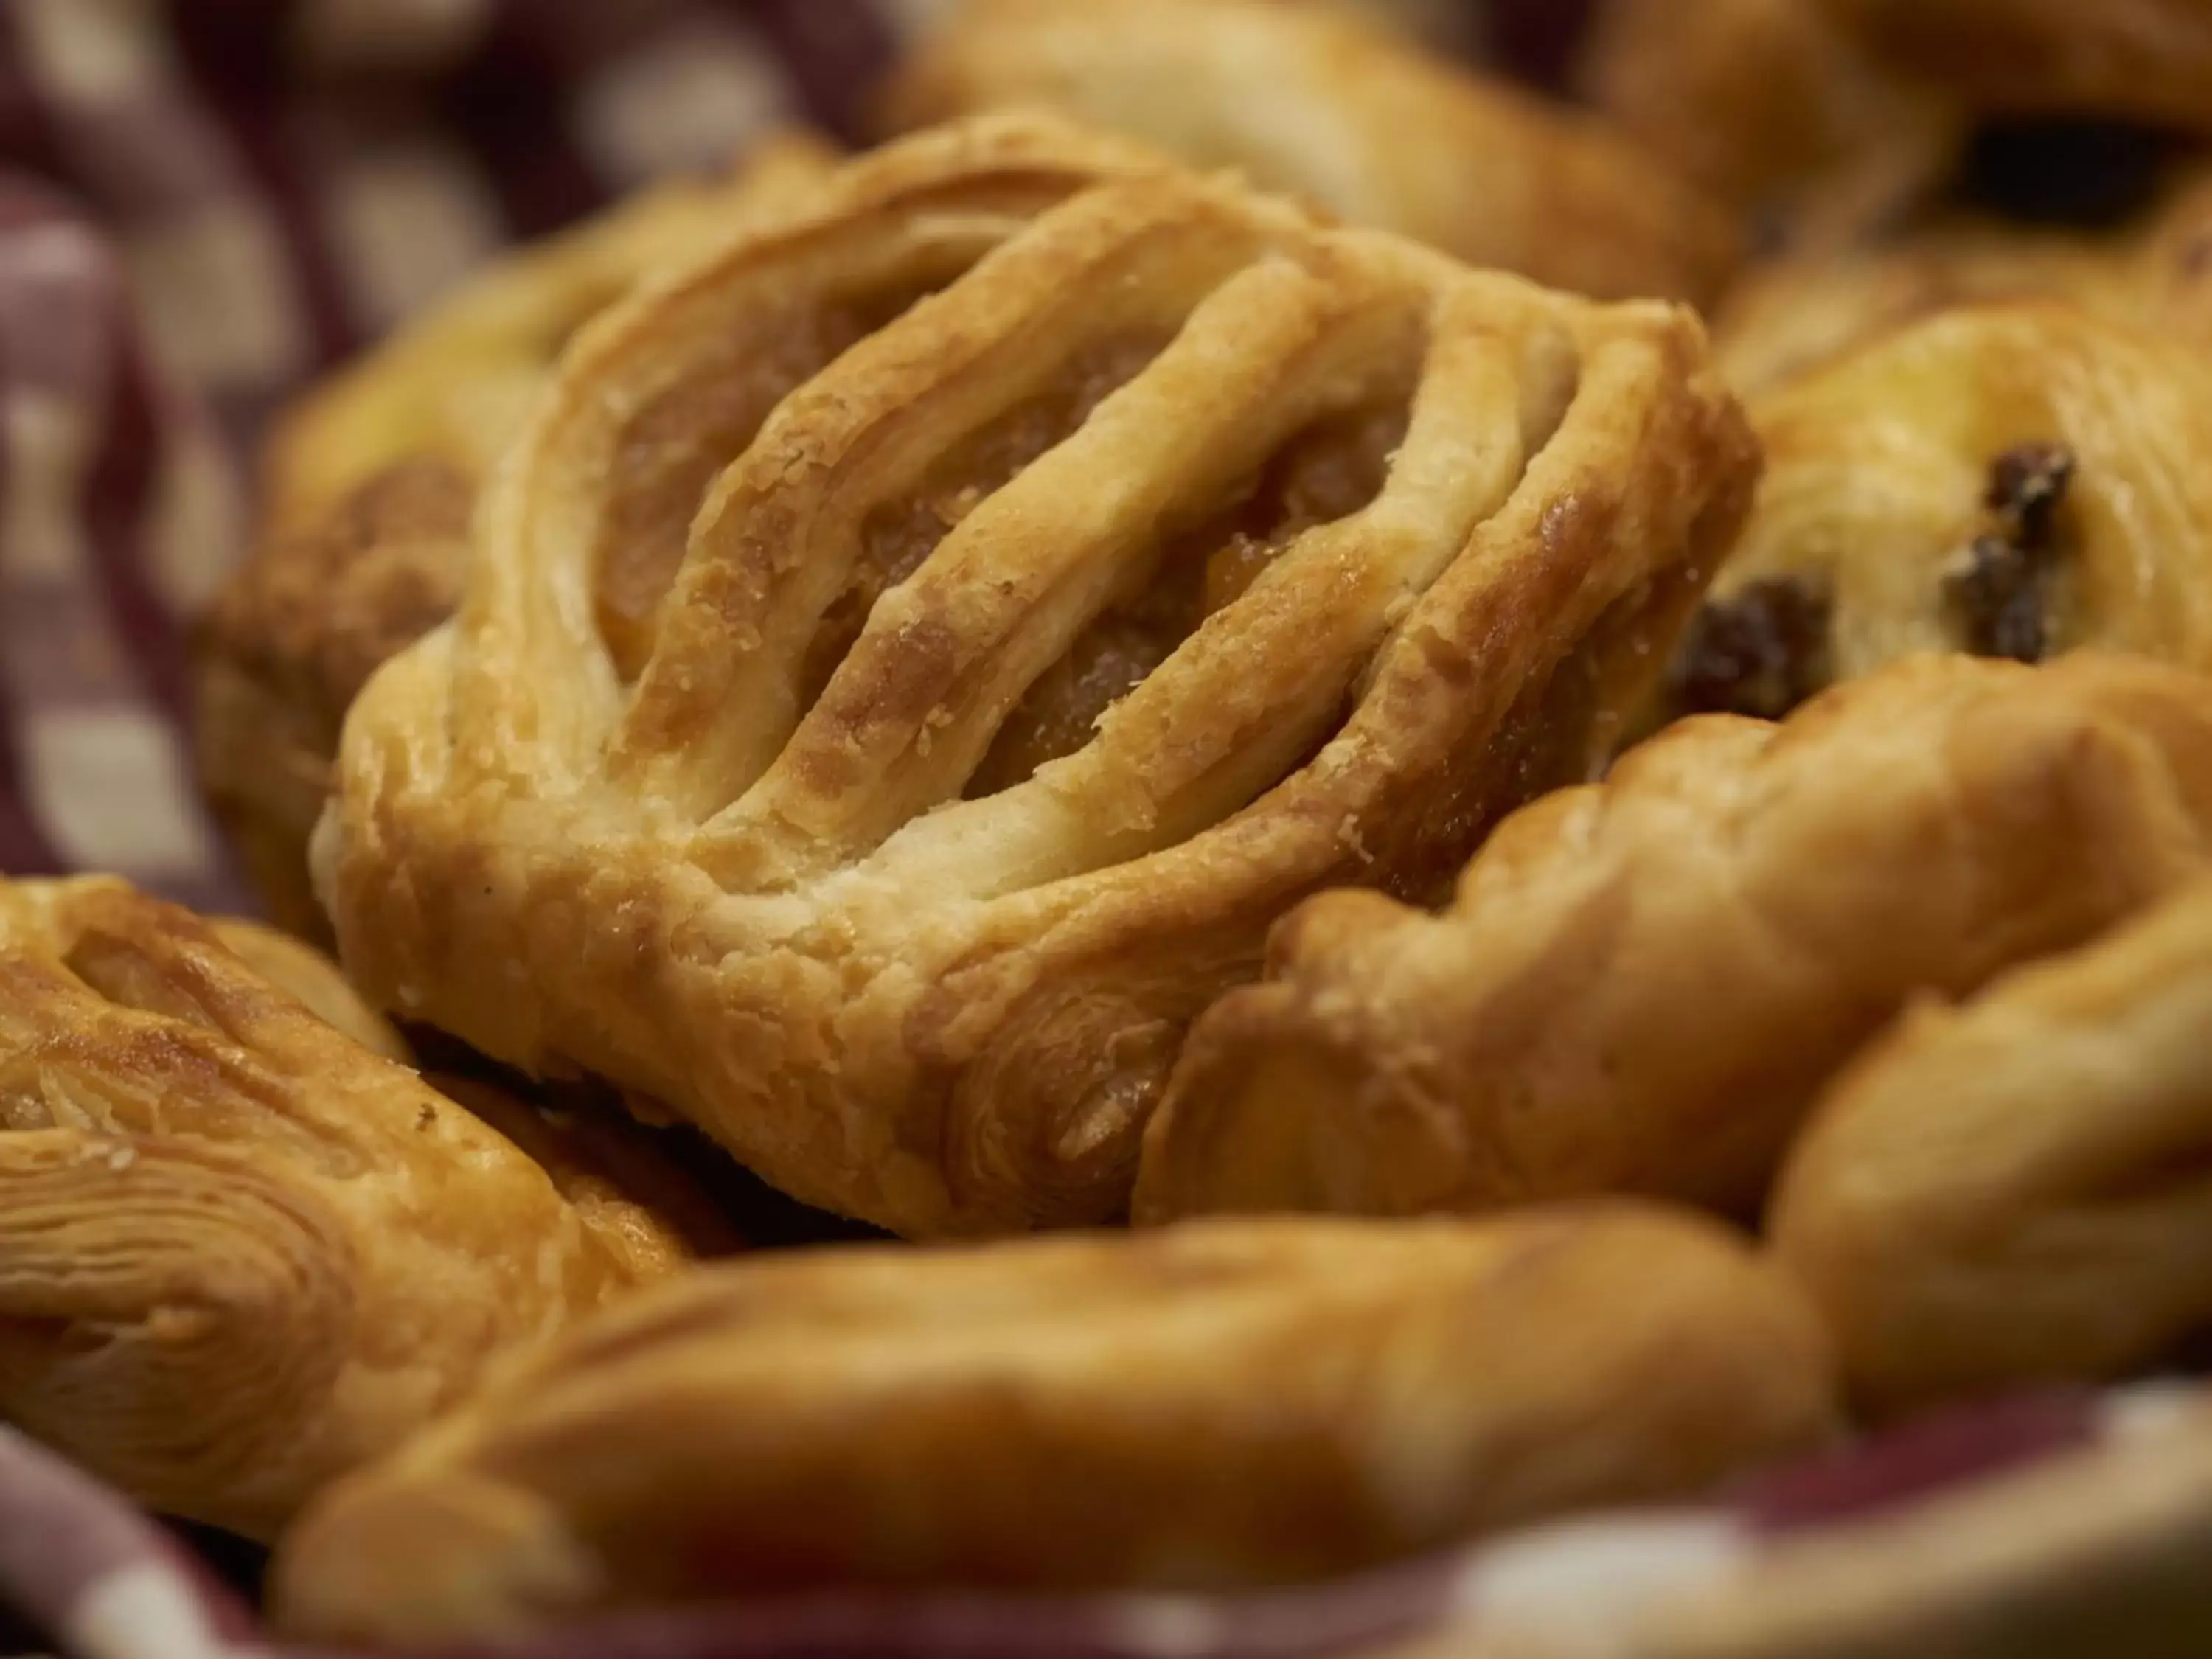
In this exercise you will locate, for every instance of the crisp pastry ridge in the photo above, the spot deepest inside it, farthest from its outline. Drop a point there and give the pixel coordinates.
(1331, 108)
(1215, 1406)
(1643, 984)
(240, 1252)
(853, 850)
(2013, 479)
(370, 483)
(2011, 1191)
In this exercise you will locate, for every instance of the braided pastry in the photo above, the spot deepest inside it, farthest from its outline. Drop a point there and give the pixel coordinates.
(1643, 984)
(1333, 109)
(370, 485)
(1213, 1408)
(238, 1252)
(1178, 557)
(2014, 1191)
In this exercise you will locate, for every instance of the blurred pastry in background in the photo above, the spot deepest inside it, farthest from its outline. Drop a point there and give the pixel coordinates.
(1643, 985)
(1214, 1408)
(241, 1253)
(2014, 1191)
(1326, 106)
(369, 485)
(1015, 584)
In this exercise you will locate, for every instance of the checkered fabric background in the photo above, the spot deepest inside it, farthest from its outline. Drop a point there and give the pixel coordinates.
(205, 203)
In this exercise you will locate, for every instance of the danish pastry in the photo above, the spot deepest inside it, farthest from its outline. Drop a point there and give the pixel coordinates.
(1175, 557)
(2012, 1190)
(1329, 108)
(240, 1252)
(1214, 1408)
(370, 487)
(2011, 480)
(1643, 984)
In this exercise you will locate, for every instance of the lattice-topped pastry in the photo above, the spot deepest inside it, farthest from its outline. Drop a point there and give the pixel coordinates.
(239, 1252)
(1643, 985)
(881, 772)
(1214, 1408)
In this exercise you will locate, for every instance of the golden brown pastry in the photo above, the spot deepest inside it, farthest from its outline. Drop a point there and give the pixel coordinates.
(1330, 108)
(1643, 984)
(1213, 1408)
(1177, 557)
(240, 1252)
(2012, 480)
(2014, 1191)
(370, 484)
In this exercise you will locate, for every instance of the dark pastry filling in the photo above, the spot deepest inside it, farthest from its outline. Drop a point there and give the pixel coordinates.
(1760, 652)
(1997, 593)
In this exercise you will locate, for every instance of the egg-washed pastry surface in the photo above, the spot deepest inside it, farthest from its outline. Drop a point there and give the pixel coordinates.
(1643, 984)
(1148, 557)
(240, 1252)
(2009, 480)
(1215, 1408)
(2012, 1190)
(369, 485)
(1328, 108)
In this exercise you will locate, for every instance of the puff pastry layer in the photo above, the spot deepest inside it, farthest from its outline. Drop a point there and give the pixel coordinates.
(2014, 1191)
(1218, 1406)
(1148, 557)
(1643, 985)
(1334, 110)
(369, 486)
(239, 1252)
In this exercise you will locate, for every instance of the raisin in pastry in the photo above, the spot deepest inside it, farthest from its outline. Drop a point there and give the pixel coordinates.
(882, 772)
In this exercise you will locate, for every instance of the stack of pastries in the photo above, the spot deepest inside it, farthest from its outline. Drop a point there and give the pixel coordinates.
(1201, 647)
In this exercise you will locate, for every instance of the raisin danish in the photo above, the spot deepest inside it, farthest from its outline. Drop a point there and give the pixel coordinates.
(1219, 1406)
(880, 773)
(1333, 109)
(1643, 984)
(370, 484)
(2010, 480)
(239, 1252)
(2014, 1189)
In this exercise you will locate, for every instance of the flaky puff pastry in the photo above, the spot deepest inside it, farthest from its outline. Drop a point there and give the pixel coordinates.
(1329, 108)
(2012, 1190)
(239, 1252)
(1215, 1408)
(369, 485)
(1643, 984)
(2011, 480)
(1175, 557)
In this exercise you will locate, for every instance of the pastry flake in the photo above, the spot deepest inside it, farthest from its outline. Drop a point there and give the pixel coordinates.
(1149, 555)
(2010, 1191)
(1643, 984)
(1215, 1408)
(239, 1252)
(1331, 108)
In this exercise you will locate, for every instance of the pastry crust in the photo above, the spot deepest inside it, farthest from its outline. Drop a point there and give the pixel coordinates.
(1216, 1408)
(240, 1252)
(1642, 985)
(369, 486)
(1341, 549)
(2016, 480)
(2012, 1191)
(1331, 109)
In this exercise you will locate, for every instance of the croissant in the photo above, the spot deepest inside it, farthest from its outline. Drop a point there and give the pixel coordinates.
(2012, 1190)
(1177, 556)
(2016, 480)
(1214, 1407)
(239, 1252)
(1643, 984)
(1331, 108)
(370, 485)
